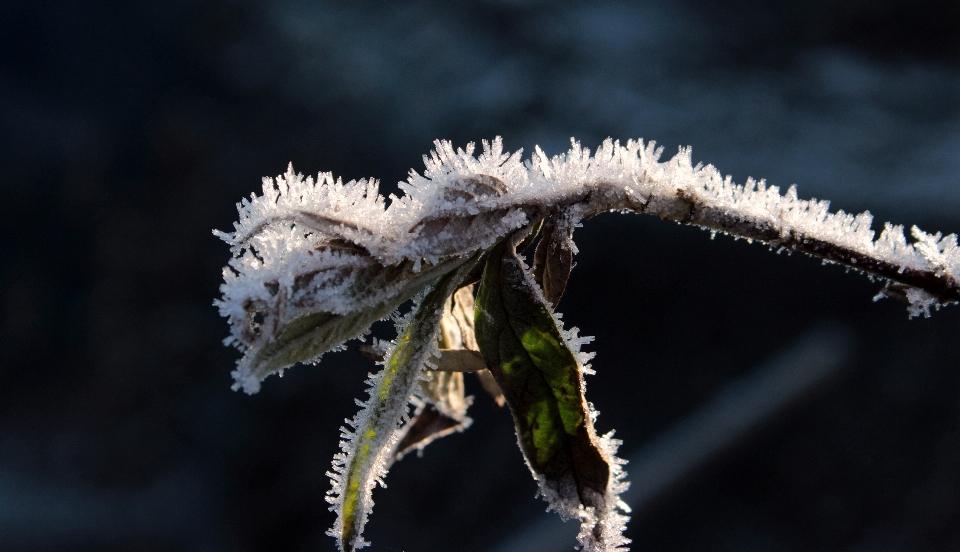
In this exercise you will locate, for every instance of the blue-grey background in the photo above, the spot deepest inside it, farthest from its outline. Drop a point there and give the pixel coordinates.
(129, 129)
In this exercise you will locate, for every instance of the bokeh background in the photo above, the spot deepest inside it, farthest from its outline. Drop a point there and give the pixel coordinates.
(128, 130)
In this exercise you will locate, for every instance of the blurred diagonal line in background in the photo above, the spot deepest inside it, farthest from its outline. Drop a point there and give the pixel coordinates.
(728, 418)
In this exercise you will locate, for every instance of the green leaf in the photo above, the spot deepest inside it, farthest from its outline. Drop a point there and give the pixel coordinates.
(367, 450)
(463, 309)
(541, 379)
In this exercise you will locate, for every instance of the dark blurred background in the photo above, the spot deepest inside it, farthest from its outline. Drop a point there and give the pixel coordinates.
(128, 130)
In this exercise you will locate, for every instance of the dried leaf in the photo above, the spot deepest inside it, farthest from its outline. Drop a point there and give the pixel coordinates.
(491, 386)
(444, 389)
(427, 425)
(553, 261)
(463, 312)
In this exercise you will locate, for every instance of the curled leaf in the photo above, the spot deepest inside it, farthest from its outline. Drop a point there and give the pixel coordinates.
(367, 448)
(428, 424)
(444, 388)
(443, 409)
(553, 260)
(538, 369)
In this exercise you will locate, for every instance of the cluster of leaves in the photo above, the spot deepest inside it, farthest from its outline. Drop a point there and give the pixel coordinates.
(318, 262)
(510, 337)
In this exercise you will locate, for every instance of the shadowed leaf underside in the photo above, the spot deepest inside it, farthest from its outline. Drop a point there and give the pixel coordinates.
(542, 382)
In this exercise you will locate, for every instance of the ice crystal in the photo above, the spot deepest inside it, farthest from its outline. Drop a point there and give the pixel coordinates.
(920, 302)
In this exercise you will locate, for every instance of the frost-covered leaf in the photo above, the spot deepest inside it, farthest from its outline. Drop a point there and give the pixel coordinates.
(367, 447)
(295, 320)
(540, 372)
(443, 408)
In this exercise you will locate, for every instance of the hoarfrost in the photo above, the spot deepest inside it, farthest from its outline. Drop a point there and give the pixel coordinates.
(601, 528)
(920, 302)
(310, 245)
(367, 447)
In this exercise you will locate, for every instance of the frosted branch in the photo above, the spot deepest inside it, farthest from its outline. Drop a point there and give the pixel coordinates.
(322, 248)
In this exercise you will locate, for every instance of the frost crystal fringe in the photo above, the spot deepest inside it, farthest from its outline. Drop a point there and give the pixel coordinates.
(367, 448)
(612, 519)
